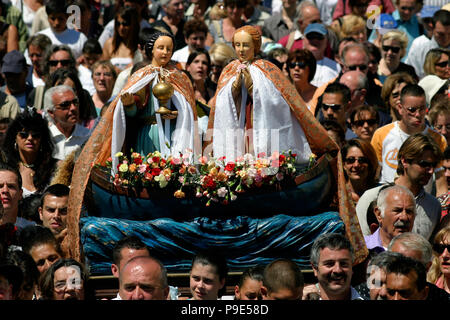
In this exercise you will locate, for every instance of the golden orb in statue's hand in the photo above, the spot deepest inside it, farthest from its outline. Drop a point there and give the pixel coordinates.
(163, 91)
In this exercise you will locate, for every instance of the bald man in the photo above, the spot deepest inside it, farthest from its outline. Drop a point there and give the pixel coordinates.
(357, 82)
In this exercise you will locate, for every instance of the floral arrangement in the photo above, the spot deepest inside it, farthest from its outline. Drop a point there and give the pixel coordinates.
(213, 180)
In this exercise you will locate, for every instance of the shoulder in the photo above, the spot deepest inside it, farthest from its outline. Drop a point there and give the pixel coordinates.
(382, 132)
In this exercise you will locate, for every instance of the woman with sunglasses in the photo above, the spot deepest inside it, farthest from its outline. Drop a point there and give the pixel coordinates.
(360, 166)
(390, 93)
(122, 47)
(28, 147)
(302, 68)
(437, 63)
(439, 272)
(393, 49)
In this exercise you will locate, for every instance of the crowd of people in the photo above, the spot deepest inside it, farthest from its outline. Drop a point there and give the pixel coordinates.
(379, 86)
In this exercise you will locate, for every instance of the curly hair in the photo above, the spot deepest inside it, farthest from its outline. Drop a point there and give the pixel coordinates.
(44, 164)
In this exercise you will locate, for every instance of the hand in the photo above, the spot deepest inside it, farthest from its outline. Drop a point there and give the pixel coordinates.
(171, 116)
(310, 292)
(127, 99)
(238, 81)
(60, 236)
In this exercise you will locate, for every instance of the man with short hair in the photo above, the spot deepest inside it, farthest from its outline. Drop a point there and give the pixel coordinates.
(62, 106)
(173, 21)
(195, 32)
(143, 278)
(53, 209)
(418, 155)
(282, 280)
(440, 39)
(358, 84)
(332, 261)
(126, 249)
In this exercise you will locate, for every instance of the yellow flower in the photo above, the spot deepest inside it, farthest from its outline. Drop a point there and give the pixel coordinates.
(179, 194)
(167, 172)
(213, 171)
(123, 167)
(118, 154)
(132, 167)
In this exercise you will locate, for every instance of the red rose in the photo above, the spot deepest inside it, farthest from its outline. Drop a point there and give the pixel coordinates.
(156, 171)
(230, 166)
(282, 158)
(137, 161)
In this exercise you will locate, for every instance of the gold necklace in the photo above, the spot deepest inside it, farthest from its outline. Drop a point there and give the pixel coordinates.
(29, 166)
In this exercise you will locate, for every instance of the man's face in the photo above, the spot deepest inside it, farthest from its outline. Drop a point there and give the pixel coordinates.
(404, 287)
(44, 255)
(36, 55)
(310, 15)
(375, 282)
(59, 59)
(420, 170)
(334, 270)
(65, 112)
(333, 107)
(175, 9)
(142, 282)
(413, 110)
(196, 40)
(446, 165)
(398, 216)
(10, 193)
(404, 251)
(67, 284)
(316, 43)
(441, 34)
(58, 21)
(364, 125)
(53, 213)
(250, 290)
(351, 80)
(356, 59)
(406, 9)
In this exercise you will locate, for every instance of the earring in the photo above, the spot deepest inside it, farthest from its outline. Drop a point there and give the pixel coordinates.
(15, 145)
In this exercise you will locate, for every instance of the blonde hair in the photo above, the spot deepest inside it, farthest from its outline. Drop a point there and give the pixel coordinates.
(433, 56)
(399, 36)
(254, 33)
(435, 270)
(351, 24)
(221, 53)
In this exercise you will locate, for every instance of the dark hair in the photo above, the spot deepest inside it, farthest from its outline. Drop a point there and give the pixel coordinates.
(56, 6)
(53, 49)
(332, 125)
(404, 265)
(306, 56)
(339, 88)
(7, 167)
(442, 16)
(57, 190)
(237, 3)
(129, 14)
(29, 207)
(373, 50)
(32, 236)
(194, 54)
(368, 151)
(282, 274)
(217, 261)
(145, 35)
(254, 273)
(193, 26)
(130, 242)
(26, 263)
(411, 90)
(333, 241)
(92, 46)
(447, 153)
(149, 45)
(138, 65)
(365, 107)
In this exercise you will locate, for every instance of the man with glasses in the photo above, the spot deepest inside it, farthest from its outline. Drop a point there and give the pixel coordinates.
(418, 156)
(358, 84)
(62, 106)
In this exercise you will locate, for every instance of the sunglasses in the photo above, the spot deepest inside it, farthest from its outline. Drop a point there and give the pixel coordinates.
(440, 248)
(124, 23)
(413, 110)
(441, 126)
(426, 164)
(54, 63)
(292, 65)
(334, 107)
(26, 134)
(361, 160)
(66, 104)
(443, 64)
(407, 8)
(370, 122)
(395, 94)
(393, 49)
(315, 36)
(361, 67)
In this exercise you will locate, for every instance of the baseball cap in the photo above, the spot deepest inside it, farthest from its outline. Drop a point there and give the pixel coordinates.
(317, 28)
(14, 62)
(387, 21)
(428, 11)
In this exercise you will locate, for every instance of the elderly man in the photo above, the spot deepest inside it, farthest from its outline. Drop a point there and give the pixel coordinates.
(418, 156)
(62, 106)
(358, 84)
(143, 278)
(53, 209)
(332, 260)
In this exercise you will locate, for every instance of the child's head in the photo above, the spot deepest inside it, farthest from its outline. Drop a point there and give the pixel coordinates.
(92, 52)
(283, 280)
(249, 286)
(57, 15)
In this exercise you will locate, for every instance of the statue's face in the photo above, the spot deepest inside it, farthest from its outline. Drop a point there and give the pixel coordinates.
(244, 46)
(162, 51)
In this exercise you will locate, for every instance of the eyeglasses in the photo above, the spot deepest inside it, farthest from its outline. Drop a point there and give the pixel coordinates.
(334, 107)
(441, 126)
(440, 248)
(105, 74)
(443, 64)
(426, 164)
(413, 110)
(64, 63)
(299, 64)
(361, 67)
(26, 134)
(352, 160)
(123, 23)
(66, 104)
(370, 122)
(393, 49)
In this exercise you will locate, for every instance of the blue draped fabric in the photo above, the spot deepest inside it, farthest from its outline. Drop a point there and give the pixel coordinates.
(244, 240)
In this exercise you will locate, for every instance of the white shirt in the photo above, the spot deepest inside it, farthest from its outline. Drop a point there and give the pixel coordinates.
(85, 76)
(73, 39)
(65, 146)
(326, 71)
(181, 55)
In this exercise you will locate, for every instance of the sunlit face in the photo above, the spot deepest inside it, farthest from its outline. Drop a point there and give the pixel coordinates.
(204, 282)
(359, 169)
(442, 125)
(364, 125)
(36, 55)
(442, 67)
(333, 107)
(198, 68)
(420, 170)
(44, 255)
(250, 290)
(53, 213)
(441, 34)
(103, 80)
(356, 59)
(413, 110)
(244, 46)
(67, 284)
(65, 113)
(28, 141)
(175, 9)
(162, 51)
(444, 257)
(11, 194)
(59, 59)
(300, 71)
(389, 51)
(394, 97)
(404, 287)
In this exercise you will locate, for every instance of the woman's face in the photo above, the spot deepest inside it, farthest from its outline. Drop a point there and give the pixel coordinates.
(244, 46)
(198, 68)
(298, 71)
(123, 27)
(373, 64)
(442, 67)
(442, 121)
(162, 51)
(359, 35)
(234, 12)
(394, 97)
(356, 164)
(103, 80)
(67, 284)
(444, 257)
(391, 51)
(204, 282)
(28, 141)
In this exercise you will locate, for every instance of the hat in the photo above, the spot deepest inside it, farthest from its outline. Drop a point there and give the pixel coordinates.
(316, 27)
(428, 11)
(13, 273)
(387, 21)
(431, 85)
(14, 62)
(269, 46)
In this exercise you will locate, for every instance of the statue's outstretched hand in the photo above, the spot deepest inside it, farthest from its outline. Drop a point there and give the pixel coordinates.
(127, 99)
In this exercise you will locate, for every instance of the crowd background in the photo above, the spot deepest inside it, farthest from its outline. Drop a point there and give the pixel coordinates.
(374, 73)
